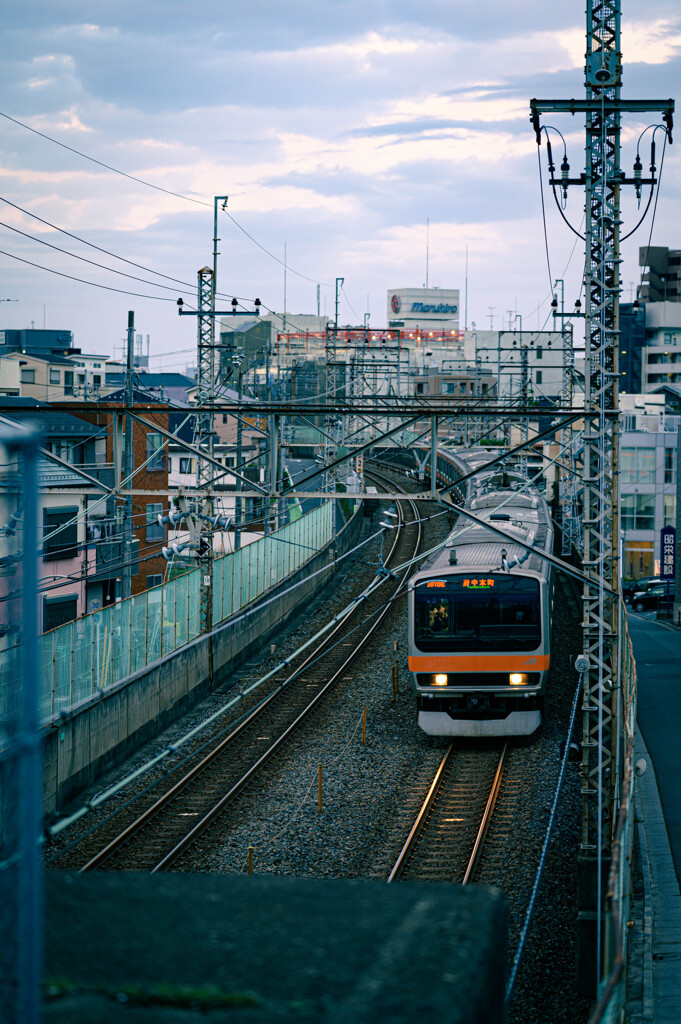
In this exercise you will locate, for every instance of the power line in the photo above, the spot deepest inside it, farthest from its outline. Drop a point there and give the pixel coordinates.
(157, 188)
(107, 252)
(84, 259)
(81, 280)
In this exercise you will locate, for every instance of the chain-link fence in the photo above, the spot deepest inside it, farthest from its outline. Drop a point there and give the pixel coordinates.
(88, 655)
(20, 760)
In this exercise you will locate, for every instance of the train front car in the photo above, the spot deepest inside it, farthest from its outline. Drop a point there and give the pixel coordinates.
(480, 619)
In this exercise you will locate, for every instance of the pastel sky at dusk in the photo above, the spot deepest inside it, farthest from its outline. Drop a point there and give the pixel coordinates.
(336, 127)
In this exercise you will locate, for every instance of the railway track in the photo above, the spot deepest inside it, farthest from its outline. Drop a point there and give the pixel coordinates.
(447, 839)
(154, 837)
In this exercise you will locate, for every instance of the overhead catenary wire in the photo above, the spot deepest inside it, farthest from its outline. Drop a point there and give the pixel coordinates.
(284, 663)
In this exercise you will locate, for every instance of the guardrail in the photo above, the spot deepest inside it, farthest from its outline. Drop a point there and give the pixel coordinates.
(92, 653)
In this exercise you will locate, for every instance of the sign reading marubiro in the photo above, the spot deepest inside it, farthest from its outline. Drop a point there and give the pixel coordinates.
(424, 305)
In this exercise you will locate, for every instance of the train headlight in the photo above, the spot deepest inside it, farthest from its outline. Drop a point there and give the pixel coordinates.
(440, 679)
(517, 678)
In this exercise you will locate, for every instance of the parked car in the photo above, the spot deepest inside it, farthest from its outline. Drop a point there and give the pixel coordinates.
(631, 587)
(655, 596)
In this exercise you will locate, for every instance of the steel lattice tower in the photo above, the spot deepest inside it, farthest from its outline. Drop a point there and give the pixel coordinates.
(602, 283)
(205, 329)
(602, 180)
(204, 437)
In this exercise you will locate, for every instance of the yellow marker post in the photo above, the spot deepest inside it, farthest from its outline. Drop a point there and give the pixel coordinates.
(319, 790)
(250, 860)
(396, 647)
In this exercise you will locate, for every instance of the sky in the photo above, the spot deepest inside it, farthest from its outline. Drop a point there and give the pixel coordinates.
(337, 128)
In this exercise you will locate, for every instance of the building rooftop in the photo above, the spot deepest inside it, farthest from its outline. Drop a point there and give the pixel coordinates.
(52, 422)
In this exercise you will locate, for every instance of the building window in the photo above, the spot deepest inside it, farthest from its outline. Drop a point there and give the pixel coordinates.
(540, 352)
(68, 382)
(96, 379)
(58, 610)
(539, 376)
(81, 378)
(155, 453)
(55, 376)
(670, 465)
(28, 376)
(96, 366)
(186, 465)
(638, 511)
(638, 466)
(224, 417)
(155, 580)
(155, 530)
(65, 543)
(670, 510)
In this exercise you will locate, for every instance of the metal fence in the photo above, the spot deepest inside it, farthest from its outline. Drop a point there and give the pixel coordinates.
(20, 756)
(612, 985)
(92, 653)
(246, 574)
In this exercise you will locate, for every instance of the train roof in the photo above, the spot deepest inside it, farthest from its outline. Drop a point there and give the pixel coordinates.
(496, 495)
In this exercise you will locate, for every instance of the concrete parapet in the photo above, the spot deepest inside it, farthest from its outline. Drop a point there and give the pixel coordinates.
(104, 729)
(262, 949)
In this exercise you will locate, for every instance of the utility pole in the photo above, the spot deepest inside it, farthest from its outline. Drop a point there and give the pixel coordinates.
(339, 284)
(204, 436)
(602, 180)
(127, 460)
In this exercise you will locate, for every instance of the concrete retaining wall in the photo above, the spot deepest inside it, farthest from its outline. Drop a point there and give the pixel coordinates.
(105, 729)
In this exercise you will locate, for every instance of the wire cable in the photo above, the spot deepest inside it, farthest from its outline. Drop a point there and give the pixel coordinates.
(157, 188)
(543, 214)
(81, 280)
(92, 263)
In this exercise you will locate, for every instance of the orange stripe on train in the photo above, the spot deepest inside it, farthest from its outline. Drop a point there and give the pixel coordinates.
(480, 663)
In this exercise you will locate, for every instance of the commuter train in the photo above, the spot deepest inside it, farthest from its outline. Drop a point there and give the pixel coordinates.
(480, 607)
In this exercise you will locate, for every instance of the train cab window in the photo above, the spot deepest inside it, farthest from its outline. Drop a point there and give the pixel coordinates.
(497, 612)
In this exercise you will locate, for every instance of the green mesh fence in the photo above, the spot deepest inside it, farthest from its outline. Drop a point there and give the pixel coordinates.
(92, 653)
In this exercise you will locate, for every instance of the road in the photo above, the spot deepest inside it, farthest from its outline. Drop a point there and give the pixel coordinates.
(657, 649)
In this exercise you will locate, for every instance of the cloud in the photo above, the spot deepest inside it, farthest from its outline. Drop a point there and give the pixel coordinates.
(337, 126)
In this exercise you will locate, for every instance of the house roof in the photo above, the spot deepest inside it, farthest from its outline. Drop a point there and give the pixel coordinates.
(51, 422)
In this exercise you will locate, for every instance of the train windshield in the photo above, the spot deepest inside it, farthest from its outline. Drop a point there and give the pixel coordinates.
(476, 613)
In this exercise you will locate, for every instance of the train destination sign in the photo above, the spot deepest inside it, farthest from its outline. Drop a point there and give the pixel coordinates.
(477, 583)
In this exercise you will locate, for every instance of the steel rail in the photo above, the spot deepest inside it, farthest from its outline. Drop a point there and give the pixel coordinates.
(473, 861)
(420, 820)
(486, 819)
(191, 776)
(217, 809)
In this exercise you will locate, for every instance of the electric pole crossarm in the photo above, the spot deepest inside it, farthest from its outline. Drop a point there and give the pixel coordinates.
(606, 105)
